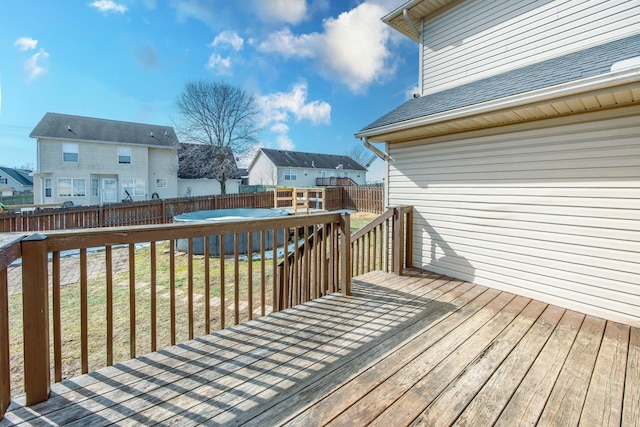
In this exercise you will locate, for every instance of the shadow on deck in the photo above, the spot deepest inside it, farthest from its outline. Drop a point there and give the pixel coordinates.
(421, 348)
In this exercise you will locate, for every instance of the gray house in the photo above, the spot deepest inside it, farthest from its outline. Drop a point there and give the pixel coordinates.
(17, 180)
(89, 161)
(521, 149)
(300, 169)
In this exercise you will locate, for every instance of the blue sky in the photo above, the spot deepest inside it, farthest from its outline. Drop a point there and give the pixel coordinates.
(320, 69)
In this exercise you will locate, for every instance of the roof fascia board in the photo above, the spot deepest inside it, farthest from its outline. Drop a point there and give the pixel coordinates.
(591, 84)
(95, 141)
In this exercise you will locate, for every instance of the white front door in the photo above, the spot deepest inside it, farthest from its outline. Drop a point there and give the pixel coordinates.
(109, 190)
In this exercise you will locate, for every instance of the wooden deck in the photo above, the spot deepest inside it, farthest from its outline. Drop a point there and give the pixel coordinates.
(420, 349)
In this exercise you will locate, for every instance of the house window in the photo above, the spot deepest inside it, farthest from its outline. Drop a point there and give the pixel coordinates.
(306, 172)
(47, 187)
(94, 187)
(289, 175)
(70, 152)
(4, 181)
(71, 187)
(161, 183)
(134, 186)
(124, 155)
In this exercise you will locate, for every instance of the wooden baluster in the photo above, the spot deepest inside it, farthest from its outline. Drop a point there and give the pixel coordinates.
(345, 253)
(262, 272)
(109, 303)
(223, 303)
(275, 296)
(250, 273)
(172, 290)
(236, 279)
(207, 287)
(84, 313)
(190, 286)
(154, 305)
(57, 323)
(132, 301)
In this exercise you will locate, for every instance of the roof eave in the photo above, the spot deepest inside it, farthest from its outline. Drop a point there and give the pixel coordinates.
(95, 141)
(541, 96)
(417, 10)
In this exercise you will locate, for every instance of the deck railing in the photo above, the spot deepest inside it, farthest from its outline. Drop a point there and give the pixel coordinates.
(9, 252)
(383, 244)
(133, 290)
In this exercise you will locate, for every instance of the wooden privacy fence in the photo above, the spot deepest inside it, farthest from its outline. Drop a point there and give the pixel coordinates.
(156, 211)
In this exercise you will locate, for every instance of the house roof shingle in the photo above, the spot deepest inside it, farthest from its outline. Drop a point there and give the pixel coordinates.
(20, 175)
(298, 159)
(590, 62)
(69, 127)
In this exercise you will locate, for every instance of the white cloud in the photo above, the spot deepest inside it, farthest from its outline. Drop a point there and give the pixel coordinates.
(25, 43)
(285, 143)
(281, 11)
(279, 128)
(219, 64)
(352, 48)
(34, 66)
(289, 45)
(106, 6)
(230, 38)
(279, 107)
(194, 9)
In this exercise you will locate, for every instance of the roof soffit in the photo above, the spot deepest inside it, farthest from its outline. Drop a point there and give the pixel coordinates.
(417, 11)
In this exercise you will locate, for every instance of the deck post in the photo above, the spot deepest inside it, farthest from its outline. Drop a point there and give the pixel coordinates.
(35, 300)
(345, 253)
(408, 262)
(398, 241)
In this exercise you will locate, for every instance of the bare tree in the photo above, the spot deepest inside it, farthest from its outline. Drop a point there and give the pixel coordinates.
(359, 154)
(221, 120)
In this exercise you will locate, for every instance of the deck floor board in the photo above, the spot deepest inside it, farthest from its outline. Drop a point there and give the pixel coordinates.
(420, 349)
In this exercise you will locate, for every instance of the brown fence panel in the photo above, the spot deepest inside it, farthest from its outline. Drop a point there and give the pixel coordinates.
(156, 211)
(364, 198)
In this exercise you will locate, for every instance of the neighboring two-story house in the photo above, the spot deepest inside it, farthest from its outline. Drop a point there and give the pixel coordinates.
(298, 169)
(89, 161)
(17, 180)
(521, 150)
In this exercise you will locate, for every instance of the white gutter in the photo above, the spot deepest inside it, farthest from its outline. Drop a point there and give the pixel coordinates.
(616, 78)
(376, 151)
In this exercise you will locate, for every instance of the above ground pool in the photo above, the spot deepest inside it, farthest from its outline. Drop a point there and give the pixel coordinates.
(229, 215)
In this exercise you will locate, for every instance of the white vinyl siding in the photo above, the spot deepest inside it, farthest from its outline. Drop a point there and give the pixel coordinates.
(478, 38)
(550, 212)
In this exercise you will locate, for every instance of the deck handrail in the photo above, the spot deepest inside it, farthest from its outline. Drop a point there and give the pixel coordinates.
(384, 244)
(40, 250)
(9, 252)
(323, 259)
